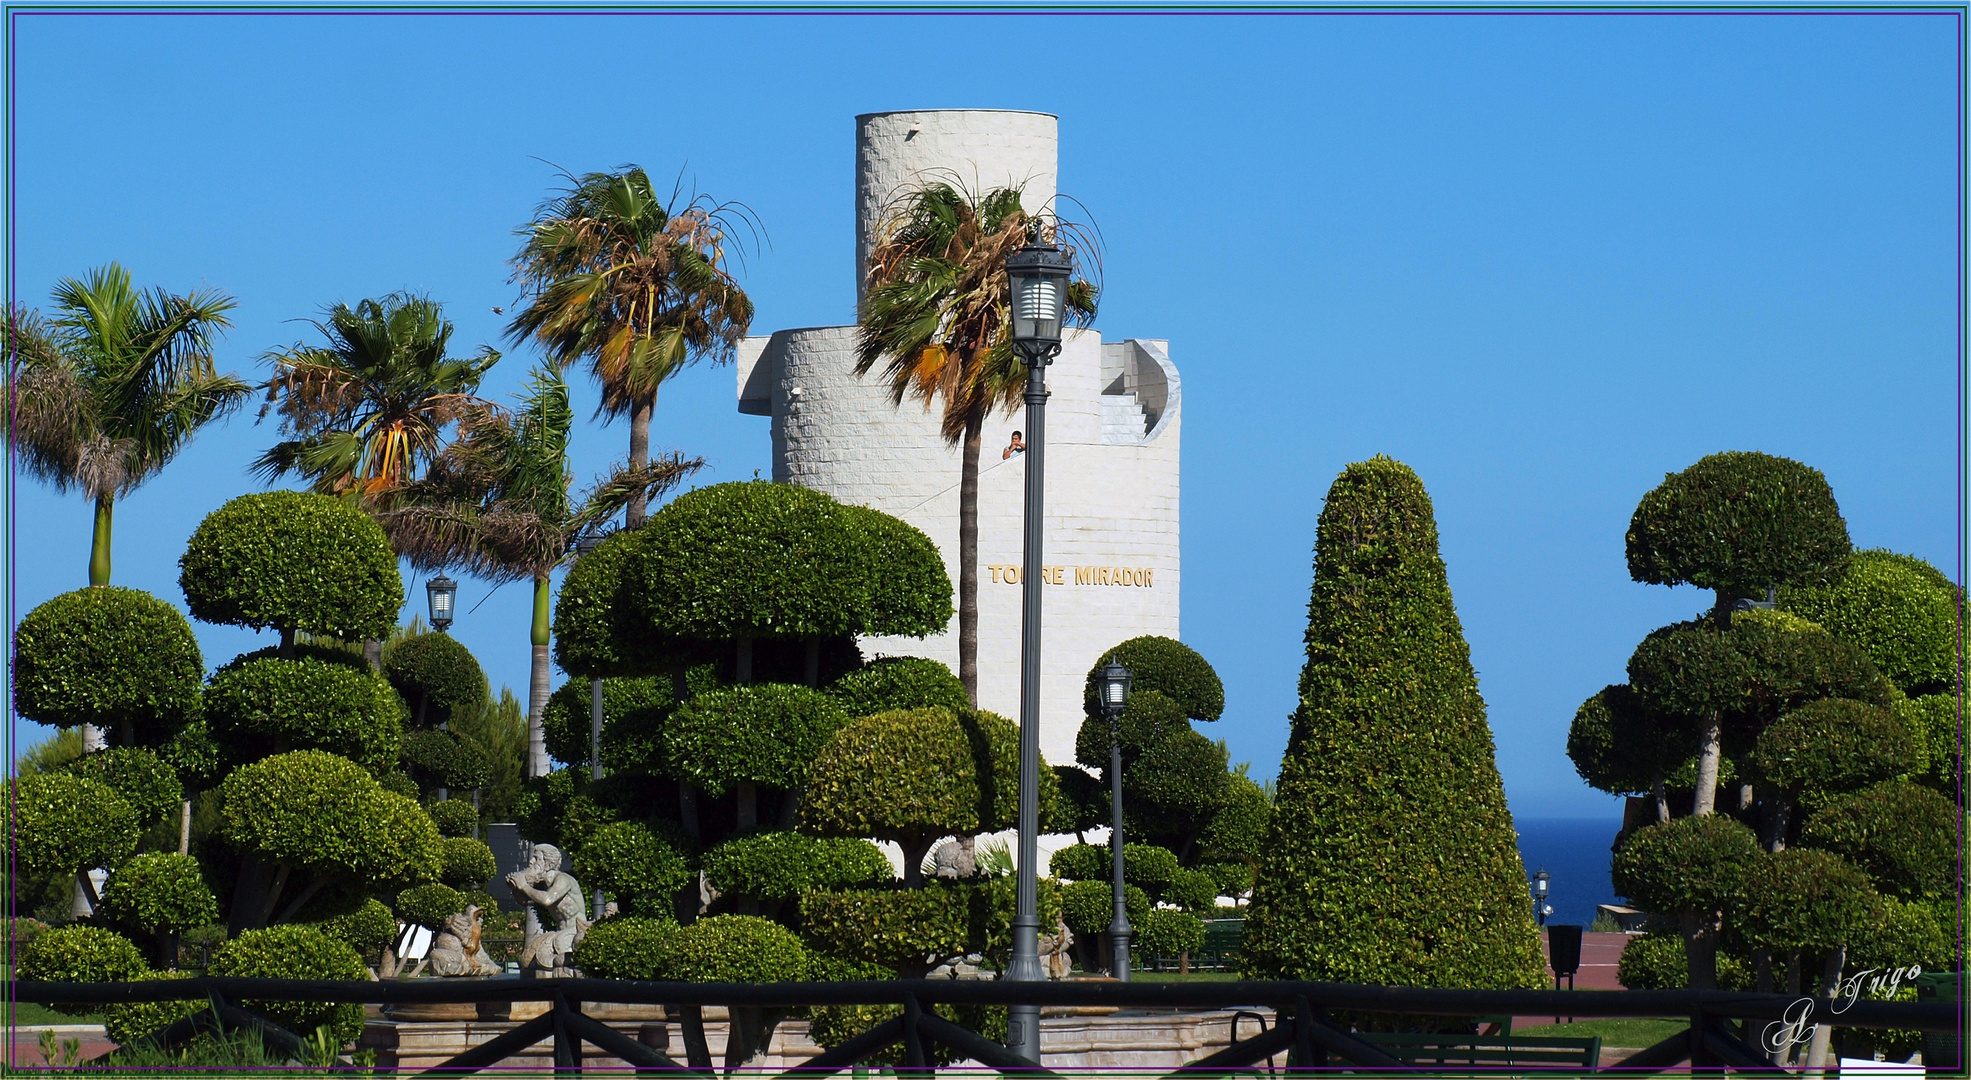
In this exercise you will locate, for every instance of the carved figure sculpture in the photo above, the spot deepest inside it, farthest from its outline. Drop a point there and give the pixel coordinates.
(1054, 956)
(456, 950)
(956, 859)
(557, 896)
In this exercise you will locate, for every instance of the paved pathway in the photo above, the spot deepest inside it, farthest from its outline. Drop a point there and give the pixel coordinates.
(24, 1043)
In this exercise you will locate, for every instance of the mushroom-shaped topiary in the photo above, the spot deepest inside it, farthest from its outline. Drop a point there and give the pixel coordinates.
(1149, 718)
(160, 894)
(293, 561)
(633, 714)
(906, 591)
(144, 779)
(368, 928)
(1173, 788)
(446, 759)
(1238, 827)
(454, 817)
(1899, 609)
(430, 905)
(296, 952)
(774, 867)
(437, 677)
(1168, 933)
(1803, 901)
(915, 775)
(66, 824)
(625, 947)
(274, 706)
(78, 953)
(1621, 746)
(465, 863)
(738, 949)
(600, 630)
(1167, 666)
(634, 865)
(1690, 868)
(1902, 834)
(898, 682)
(117, 658)
(1831, 747)
(740, 737)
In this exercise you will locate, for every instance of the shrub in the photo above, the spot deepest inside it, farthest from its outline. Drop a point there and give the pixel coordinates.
(1389, 774)
(1238, 825)
(159, 892)
(1089, 906)
(1737, 523)
(338, 655)
(467, 863)
(600, 628)
(1688, 864)
(898, 682)
(133, 1021)
(446, 759)
(437, 677)
(1166, 666)
(1898, 608)
(1084, 801)
(275, 706)
(1801, 900)
(1231, 879)
(911, 930)
(1901, 934)
(1193, 890)
(430, 905)
(1620, 746)
(1175, 785)
(914, 776)
(64, 824)
(1656, 962)
(80, 953)
(628, 861)
(140, 776)
(1147, 865)
(1164, 932)
(763, 733)
(735, 948)
(1833, 746)
(1082, 862)
(1902, 834)
(454, 817)
(315, 810)
(1149, 718)
(626, 947)
(905, 590)
(294, 561)
(118, 658)
(1932, 721)
(783, 865)
(367, 928)
(633, 714)
(296, 952)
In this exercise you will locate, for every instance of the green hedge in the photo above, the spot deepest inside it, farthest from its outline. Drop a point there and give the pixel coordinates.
(446, 759)
(144, 779)
(430, 905)
(1833, 746)
(1164, 932)
(466, 863)
(437, 677)
(1899, 609)
(1687, 864)
(159, 892)
(1167, 666)
(454, 817)
(79, 953)
(763, 733)
(1902, 834)
(626, 947)
(898, 682)
(128, 1023)
(274, 706)
(781, 866)
(317, 810)
(296, 952)
(107, 656)
(1736, 523)
(1656, 962)
(1800, 900)
(735, 948)
(367, 928)
(1390, 774)
(907, 929)
(633, 715)
(293, 560)
(629, 862)
(64, 824)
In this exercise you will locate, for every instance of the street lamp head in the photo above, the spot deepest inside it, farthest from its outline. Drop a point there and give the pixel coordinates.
(1038, 275)
(587, 544)
(1540, 880)
(1113, 686)
(439, 593)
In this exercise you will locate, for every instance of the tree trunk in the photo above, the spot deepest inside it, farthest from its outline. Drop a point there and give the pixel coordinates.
(639, 506)
(1710, 749)
(185, 827)
(742, 663)
(373, 652)
(99, 542)
(1830, 981)
(93, 739)
(1700, 932)
(688, 809)
(913, 861)
(537, 685)
(968, 559)
(1662, 801)
(811, 673)
(748, 795)
(287, 642)
(697, 1052)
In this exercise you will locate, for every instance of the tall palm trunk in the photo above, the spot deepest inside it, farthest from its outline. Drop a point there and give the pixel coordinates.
(968, 557)
(639, 506)
(537, 685)
(99, 545)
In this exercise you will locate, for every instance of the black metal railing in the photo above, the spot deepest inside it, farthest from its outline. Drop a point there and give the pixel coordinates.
(1304, 1028)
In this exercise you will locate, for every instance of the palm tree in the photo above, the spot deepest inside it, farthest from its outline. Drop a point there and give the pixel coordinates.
(934, 307)
(365, 411)
(636, 285)
(497, 503)
(105, 394)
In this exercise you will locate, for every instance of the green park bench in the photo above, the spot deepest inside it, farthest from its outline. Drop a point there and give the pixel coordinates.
(1453, 1048)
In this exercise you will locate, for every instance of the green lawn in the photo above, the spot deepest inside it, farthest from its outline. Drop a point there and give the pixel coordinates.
(1627, 1031)
(27, 1012)
(1172, 976)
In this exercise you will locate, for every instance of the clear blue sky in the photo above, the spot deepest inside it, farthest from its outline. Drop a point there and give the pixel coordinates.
(1542, 258)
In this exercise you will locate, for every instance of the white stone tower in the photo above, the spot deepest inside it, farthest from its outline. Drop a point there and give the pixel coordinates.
(1114, 424)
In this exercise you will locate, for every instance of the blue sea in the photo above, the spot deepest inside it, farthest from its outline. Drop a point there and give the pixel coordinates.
(1575, 852)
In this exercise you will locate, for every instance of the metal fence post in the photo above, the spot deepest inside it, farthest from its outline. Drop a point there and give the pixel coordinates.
(567, 1047)
(913, 1038)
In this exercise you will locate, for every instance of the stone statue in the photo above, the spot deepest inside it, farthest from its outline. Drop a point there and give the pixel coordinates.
(557, 896)
(456, 950)
(956, 859)
(1053, 948)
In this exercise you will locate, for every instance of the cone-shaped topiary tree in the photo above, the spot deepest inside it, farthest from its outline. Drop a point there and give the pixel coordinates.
(1389, 775)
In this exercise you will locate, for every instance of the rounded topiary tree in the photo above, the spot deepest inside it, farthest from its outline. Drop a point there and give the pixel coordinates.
(600, 629)
(296, 952)
(914, 776)
(65, 825)
(1389, 773)
(79, 953)
(118, 659)
(738, 949)
(625, 947)
(437, 677)
(1167, 666)
(274, 706)
(633, 714)
(1165, 933)
(465, 863)
(1804, 903)
(740, 738)
(1621, 746)
(1689, 868)
(144, 779)
(1238, 827)
(161, 895)
(905, 590)
(1148, 719)
(768, 869)
(1899, 609)
(369, 927)
(1902, 834)
(1825, 748)
(293, 561)
(445, 760)
(1171, 792)
(640, 869)
(898, 682)
(454, 817)
(429, 905)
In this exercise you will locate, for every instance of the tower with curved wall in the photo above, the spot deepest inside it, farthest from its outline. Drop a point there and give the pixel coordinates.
(1114, 429)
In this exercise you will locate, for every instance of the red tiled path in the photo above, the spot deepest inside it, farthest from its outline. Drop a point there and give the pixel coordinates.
(24, 1046)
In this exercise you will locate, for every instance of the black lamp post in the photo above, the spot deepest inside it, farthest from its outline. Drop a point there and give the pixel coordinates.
(439, 593)
(1038, 275)
(1113, 685)
(582, 547)
(1541, 909)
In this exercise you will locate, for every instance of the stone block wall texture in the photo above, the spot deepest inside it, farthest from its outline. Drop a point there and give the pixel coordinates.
(1114, 432)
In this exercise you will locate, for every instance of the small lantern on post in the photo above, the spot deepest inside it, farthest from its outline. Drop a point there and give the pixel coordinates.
(1112, 689)
(1541, 909)
(1038, 276)
(439, 593)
